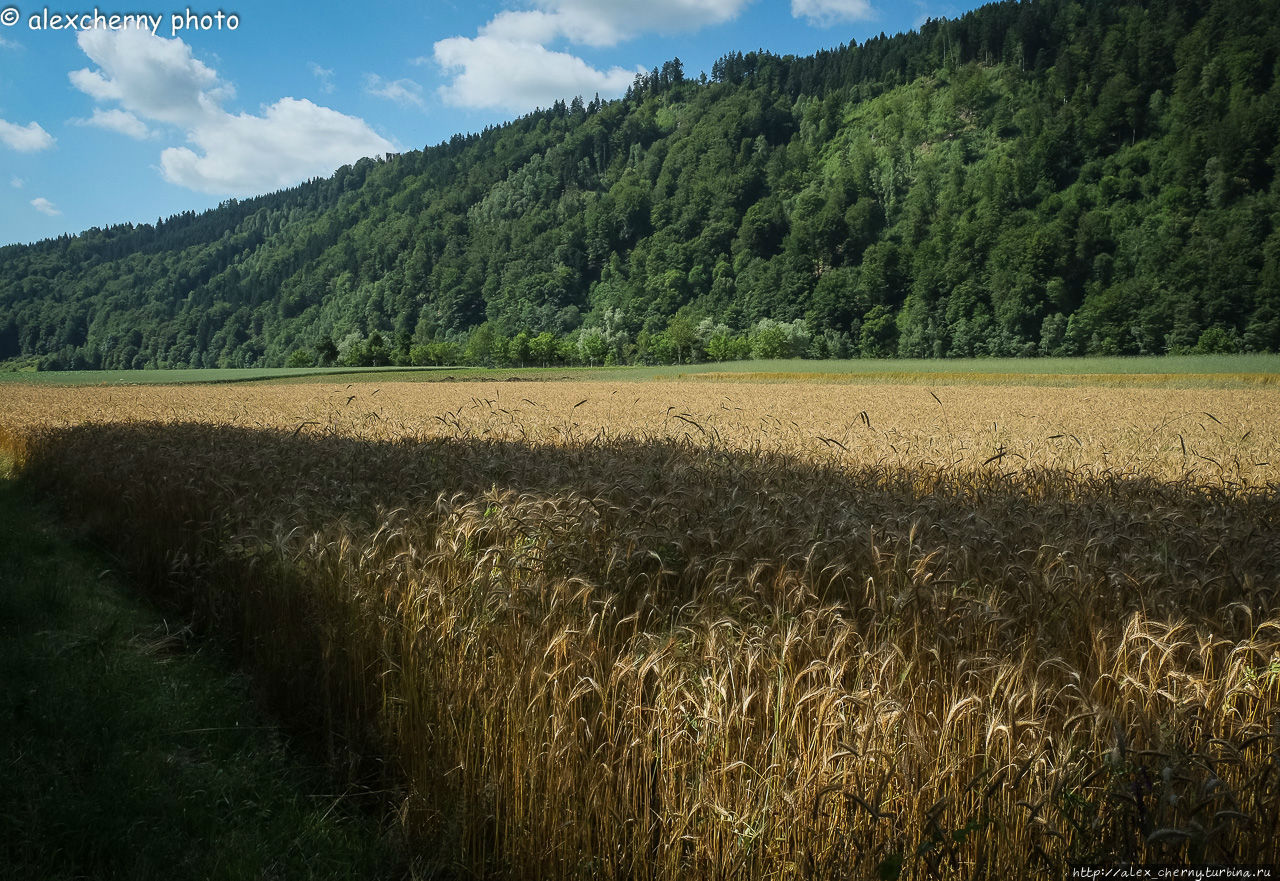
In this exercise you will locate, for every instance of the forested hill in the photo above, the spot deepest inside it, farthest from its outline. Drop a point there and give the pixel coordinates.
(1044, 177)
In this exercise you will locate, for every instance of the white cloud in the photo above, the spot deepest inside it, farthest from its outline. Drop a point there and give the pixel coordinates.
(404, 92)
(7, 44)
(519, 76)
(159, 80)
(509, 64)
(293, 140)
(121, 121)
(324, 74)
(825, 13)
(523, 27)
(44, 206)
(150, 76)
(16, 182)
(609, 22)
(25, 138)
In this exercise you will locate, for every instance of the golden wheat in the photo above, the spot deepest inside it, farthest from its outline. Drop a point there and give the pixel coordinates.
(732, 631)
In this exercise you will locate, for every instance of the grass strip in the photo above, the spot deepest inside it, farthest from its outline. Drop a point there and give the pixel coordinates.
(1179, 371)
(130, 751)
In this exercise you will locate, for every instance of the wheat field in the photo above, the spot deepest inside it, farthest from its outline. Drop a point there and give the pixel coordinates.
(661, 630)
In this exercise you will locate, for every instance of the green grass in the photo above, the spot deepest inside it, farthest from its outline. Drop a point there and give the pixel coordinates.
(197, 376)
(1172, 370)
(1189, 370)
(1166, 364)
(130, 752)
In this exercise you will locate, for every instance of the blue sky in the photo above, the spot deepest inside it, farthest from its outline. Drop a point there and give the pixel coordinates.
(109, 124)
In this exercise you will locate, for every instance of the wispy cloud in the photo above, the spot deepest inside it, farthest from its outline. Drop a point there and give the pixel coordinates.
(596, 23)
(121, 121)
(44, 206)
(404, 92)
(16, 182)
(28, 138)
(324, 75)
(159, 80)
(826, 13)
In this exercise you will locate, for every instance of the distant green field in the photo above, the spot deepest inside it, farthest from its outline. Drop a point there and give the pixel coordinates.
(1181, 370)
(190, 376)
(1168, 364)
(1245, 369)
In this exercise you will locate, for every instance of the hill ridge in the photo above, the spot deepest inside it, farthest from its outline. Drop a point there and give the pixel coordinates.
(1046, 177)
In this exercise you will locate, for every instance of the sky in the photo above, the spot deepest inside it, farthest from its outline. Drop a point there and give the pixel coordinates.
(128, 113)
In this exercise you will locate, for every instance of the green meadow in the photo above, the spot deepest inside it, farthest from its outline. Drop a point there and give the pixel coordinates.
(1172, 370)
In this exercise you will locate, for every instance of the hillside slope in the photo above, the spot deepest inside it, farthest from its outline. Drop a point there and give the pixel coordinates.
(1047, 177)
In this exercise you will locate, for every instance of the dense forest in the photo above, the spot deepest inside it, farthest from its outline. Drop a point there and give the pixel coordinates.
(1055, 177)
